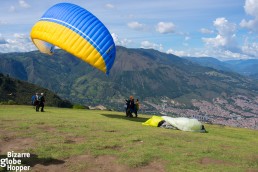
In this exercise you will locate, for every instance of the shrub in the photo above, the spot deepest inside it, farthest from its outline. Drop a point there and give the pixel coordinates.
(11, 102)
(78, 106)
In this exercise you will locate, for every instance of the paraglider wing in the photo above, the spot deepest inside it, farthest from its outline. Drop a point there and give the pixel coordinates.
(184, 124)
(77, 31)
(153, 121)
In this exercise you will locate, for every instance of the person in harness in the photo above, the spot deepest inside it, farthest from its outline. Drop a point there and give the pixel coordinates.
(41, 102)
(127, 109)
(131, 107)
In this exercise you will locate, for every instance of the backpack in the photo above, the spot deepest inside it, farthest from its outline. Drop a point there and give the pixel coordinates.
(39, 98)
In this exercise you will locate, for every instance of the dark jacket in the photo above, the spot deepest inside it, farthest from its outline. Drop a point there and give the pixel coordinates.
(132, 105)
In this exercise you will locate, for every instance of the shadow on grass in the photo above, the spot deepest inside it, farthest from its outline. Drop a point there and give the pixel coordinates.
(34, 160)
(138, 119)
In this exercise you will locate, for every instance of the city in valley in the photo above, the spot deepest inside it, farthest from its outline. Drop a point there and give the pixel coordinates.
(239, 111)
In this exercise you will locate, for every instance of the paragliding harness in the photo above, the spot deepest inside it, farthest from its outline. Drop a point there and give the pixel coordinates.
(40, 102)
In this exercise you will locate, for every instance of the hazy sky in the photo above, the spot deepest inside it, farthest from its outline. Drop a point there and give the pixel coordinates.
(224, 29)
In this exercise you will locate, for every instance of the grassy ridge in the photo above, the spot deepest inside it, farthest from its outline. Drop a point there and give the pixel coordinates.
(64, 133)
(19, 92)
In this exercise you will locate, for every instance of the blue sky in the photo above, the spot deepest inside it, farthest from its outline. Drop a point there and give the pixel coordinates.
(224, 29)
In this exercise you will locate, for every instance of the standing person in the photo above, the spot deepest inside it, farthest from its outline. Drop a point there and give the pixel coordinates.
(127, 108)
(137, 107)
(132, 106)
(36, 102)
(42, 102)
(33, 100)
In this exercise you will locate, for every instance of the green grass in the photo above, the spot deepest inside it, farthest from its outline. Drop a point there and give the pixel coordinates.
(62, 133)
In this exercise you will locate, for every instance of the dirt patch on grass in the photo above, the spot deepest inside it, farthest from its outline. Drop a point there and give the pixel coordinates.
(152, 167)
(90, 163)
(11, 143)
(114, 147)
(111, 131)
(49, 168)
(74, 140)
(252, 170)
(208, 161)
(9, 120)
(47, 128)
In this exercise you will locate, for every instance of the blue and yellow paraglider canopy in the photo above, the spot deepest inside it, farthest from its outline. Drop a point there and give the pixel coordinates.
(77, 31)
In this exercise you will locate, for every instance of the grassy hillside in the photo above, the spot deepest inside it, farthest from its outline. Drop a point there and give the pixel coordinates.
(15, 91)
(84, 140)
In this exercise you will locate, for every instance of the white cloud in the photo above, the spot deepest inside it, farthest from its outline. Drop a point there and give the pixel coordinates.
(251, 8)
(23, 4)
(226, 38)
(224, 27)
(20, 36)
(115, 37)
(250, 49)
(177, 53)
(206, 31)
(224, 45)
(228, 55)
(123, 42)
(17, 43)
(111, 6)
(164, 28)
(216, 42)
(217, 53)
(136, 25)
(251, 24)
(2, 40)
(150, 45)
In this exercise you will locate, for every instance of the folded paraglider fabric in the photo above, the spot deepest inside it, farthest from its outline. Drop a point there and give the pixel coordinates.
(184, 124)
(181, 123)
(153, 121)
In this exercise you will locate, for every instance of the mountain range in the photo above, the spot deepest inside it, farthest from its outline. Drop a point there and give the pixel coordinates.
(248, 67)
(164, 84)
